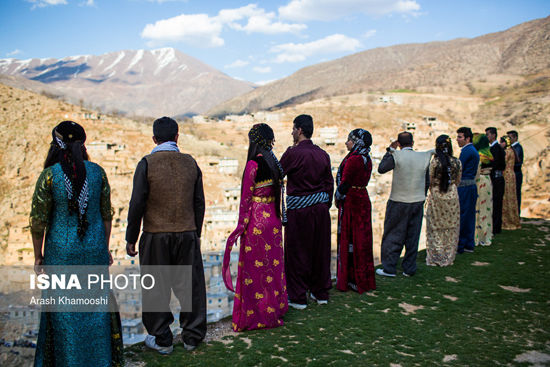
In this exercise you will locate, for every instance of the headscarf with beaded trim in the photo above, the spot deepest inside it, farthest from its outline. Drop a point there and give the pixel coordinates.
(262, 135)
(362, 140)
(69, 137)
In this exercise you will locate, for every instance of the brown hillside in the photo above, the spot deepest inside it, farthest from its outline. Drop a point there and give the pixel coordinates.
(117, 144)
(26, 120)
(523, 49)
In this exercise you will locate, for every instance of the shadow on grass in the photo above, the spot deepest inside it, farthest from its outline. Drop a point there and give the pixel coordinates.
(490, 308)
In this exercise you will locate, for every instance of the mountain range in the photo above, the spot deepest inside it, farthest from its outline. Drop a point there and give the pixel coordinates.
(150, 83)
(520, 50)
(168, 82)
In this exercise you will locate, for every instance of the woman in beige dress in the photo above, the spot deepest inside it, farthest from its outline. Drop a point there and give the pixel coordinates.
(484, 204)
(510, 216)
(443, 210)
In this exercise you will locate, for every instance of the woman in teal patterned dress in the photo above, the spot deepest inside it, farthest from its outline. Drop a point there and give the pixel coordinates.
(72, 206)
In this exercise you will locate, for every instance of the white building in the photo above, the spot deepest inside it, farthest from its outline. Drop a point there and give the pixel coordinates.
(228, 166)
(232, 197)
(408, 125)
(329, 135)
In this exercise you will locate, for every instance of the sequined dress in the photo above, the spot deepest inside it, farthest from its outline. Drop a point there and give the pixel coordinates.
(484, 207)
(260, 296)
(510, 216)
(75, 338)
(442, 216)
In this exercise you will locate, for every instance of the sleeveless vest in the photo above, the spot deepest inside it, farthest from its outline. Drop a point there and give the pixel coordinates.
(171, 177)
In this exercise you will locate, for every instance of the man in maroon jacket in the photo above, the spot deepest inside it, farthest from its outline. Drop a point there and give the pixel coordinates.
(310, 187)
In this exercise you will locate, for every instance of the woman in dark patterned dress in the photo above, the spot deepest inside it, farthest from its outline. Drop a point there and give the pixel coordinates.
(355, 258)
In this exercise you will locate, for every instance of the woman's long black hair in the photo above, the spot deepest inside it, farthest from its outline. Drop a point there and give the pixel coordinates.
(67, 148)
(264, 148)
(443, 151)
(54, 154)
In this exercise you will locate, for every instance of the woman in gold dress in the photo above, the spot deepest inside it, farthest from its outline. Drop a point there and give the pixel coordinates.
(510, 216)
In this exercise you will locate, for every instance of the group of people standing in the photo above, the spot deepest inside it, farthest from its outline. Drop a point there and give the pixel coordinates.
(276, 269)
(469, 199)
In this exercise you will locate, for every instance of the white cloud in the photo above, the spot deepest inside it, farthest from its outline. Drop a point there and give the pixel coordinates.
(370, 33)
(262, 69)
(88, 3)
(14, 53)
(258, 21)
(197, 29)
(236, 64)
(296, 52)
(264, 82)
(232, 15)
(165, 1)
(302, 10)
(264, 24)
(205, 30)
(43, 3)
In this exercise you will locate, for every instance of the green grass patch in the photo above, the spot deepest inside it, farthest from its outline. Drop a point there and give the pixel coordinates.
(490, 308)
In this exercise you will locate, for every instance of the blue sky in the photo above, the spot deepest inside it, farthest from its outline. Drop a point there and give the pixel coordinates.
(255, 41)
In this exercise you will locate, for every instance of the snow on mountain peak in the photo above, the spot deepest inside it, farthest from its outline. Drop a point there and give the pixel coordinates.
(138, 56)
(120, 57)
(164, 57)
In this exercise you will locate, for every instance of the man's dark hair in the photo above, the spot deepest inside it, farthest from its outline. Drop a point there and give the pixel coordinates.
(304, 122)
(165, 129)
(405, 139)
(514, 133)
(467, 132)
(492, 130)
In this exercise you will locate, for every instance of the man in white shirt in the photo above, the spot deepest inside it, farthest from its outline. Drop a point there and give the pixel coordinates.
(405, 207)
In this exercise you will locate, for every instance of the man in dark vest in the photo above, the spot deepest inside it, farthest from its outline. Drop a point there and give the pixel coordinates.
(497, 178)
(168, 197)
(513, 134)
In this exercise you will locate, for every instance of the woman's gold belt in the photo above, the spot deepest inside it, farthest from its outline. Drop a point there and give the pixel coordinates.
(359, 187)
(263, 199)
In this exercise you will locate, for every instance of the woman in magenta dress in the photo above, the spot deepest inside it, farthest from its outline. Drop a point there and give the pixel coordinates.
(260, 296)
(355, 259)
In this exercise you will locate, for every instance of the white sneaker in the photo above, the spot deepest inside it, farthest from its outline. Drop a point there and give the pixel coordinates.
(189, 347)
(383, 273)
(319, 301)
(150, 342)
(297, 306)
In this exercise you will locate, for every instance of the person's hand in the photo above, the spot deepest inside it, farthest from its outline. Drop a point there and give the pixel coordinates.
(131, 249)
(38, 267)
(394, 144)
